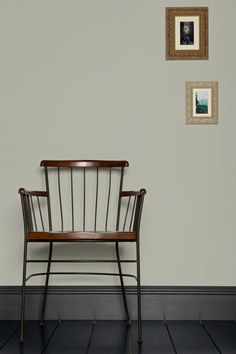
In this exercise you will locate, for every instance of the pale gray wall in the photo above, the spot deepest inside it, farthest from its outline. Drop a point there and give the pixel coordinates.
(88, 79)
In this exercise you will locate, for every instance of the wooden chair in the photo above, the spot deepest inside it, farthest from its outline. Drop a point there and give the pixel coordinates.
(84, 201)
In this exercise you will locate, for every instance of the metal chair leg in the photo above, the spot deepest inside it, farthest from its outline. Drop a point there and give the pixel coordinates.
(140, 336)
(122, 284)
(22, 318)
(45, 292)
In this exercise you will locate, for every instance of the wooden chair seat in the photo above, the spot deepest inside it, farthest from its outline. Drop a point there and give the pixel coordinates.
(63, 236)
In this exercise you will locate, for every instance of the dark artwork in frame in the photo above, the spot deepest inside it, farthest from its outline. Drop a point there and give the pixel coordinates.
(187, 33)
(201, 105)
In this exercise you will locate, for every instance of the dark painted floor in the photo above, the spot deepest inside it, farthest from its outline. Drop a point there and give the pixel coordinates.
(115, 337)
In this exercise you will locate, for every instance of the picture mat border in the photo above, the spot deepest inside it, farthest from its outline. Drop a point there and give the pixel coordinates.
(196, 45)
(209, 90)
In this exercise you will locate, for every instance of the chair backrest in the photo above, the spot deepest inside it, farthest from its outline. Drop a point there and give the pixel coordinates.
(84, 195)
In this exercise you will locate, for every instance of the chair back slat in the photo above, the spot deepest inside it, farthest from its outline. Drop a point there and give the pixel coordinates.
(48, 198)
(72, 199)
(96, 201)
(40, 213)
(28, 213)
(108, 199)
(119, 199)
(60, 197)
(84, 199)
(33, 214)
(127, 214)
(132, 214)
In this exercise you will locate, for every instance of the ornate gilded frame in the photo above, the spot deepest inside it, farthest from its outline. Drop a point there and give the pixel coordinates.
(194, 89)
(198, 16)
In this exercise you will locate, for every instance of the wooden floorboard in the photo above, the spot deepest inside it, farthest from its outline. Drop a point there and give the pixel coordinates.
(35, 338)
(189, 337)
(115, 337)
(223, 333)
(155, 338)
(111, 337)
(70, 337)
(7, 329)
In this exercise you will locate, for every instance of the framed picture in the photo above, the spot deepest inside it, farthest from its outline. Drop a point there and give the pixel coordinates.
(186, 33)
(202, 102)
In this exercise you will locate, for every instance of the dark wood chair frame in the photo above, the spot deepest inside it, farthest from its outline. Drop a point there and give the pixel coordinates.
(31, 233)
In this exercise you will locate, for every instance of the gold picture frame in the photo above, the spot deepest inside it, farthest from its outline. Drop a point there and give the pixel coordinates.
(186, 33)
(202, 102)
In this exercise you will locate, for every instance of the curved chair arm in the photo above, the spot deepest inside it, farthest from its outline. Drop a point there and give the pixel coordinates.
(23, 191)
(32, 209)
(142, 191)
(138, 198)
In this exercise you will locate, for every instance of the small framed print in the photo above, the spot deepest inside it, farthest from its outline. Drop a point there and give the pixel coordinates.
(186, 33)
(201, 102)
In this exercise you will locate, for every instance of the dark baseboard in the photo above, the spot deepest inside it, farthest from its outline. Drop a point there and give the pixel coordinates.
(105, 302)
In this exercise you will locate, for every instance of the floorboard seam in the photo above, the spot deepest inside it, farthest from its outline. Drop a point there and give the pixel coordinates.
(90, 338)
(49, 339)
(171, 339)
(10, 336)
(212, 340)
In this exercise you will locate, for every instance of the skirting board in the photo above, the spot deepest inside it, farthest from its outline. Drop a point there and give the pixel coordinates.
(105, 302)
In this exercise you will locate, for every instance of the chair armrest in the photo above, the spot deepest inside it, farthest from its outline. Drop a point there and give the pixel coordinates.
(23, 191)
(33, 209)
(142, 191)
(133, 204)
